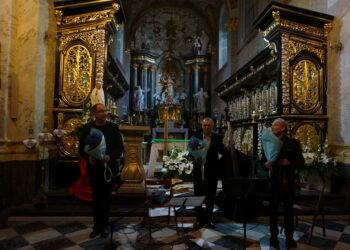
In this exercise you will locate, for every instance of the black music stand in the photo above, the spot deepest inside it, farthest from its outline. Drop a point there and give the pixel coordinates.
(187, 201)
(241, 188)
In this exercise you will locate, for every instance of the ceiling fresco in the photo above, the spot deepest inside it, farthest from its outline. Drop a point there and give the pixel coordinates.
(161, 25)
(171, 32)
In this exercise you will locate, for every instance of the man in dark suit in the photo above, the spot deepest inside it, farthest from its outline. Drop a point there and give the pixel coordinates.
(205, 177)
(282, 182)
(101, 188)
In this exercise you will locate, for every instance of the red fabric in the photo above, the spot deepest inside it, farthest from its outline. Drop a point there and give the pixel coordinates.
(81, 189)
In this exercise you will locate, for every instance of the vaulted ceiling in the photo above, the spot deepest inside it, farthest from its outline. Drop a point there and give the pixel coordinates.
(185, 18)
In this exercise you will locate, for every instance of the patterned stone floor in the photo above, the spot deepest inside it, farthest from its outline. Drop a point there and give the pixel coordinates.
(72, 233)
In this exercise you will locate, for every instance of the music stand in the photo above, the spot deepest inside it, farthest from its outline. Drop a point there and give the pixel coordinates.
(187, 201)
(242, 188)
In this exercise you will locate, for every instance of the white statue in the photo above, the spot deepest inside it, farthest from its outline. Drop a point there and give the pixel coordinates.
(200, 97)
(157, 98)
(139, 99)
(197, 44)
(205, 41)
(97, 95)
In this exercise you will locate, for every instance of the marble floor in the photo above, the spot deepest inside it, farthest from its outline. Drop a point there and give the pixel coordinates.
(72, 233)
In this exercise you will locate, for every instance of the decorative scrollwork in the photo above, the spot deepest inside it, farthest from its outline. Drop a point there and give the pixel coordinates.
(247, 142)
(307, 29)
(97, 16)
(69, 143)
(83, 18)
(59, 14)
(91, 37)
(290, 49)
(306, 85)
(307, 135)
(237, 138)
(295, 47)
(77, 75)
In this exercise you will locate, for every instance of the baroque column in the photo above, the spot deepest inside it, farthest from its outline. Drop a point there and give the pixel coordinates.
(151, 85)
(133, 83)
(195, 78)
(196, 73)
(144, 82)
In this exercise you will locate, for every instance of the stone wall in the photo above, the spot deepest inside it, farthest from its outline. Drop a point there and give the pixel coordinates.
(28, 48)
(27, 73)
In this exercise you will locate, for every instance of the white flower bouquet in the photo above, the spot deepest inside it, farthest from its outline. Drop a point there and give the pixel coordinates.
(177, 163)
(318, 163)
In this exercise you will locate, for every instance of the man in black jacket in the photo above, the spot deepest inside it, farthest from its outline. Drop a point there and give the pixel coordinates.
(282, 182)
(205, 177)
(101, 188)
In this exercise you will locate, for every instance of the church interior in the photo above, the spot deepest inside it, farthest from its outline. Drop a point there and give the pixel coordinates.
(161, 67)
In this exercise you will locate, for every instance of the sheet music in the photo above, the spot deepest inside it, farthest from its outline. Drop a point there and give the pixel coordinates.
(177, 201)
(194, 201)
(190, 201)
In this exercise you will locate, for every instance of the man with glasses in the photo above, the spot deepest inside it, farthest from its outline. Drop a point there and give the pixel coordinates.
(205, 176)
(101, 188)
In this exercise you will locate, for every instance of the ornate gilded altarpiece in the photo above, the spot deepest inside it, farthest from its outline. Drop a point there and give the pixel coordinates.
(85, 30)
(287, 79)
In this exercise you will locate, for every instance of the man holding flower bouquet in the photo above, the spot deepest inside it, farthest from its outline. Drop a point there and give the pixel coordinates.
(282, 158)
(101, 144)
(205, 148)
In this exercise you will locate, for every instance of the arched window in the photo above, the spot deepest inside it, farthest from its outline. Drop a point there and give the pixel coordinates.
(223, 37)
